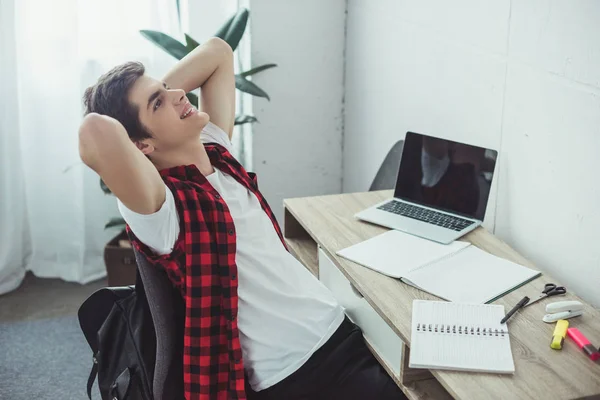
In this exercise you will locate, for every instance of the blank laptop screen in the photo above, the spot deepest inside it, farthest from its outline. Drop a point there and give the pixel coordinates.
(447, 175)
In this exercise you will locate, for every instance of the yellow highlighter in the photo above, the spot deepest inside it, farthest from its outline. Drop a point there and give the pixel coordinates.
(560, 332)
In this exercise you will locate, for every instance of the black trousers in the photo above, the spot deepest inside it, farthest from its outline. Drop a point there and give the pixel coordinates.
(343, 368)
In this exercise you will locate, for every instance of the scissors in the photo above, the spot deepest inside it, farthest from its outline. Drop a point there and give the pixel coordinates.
(550, 289)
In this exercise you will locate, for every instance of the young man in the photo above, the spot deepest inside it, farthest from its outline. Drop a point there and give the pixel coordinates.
(250, 307)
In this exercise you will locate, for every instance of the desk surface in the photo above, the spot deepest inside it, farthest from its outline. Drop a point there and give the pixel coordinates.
(541, 373)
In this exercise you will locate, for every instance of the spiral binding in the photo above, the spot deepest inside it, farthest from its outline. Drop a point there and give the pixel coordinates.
(461, 330)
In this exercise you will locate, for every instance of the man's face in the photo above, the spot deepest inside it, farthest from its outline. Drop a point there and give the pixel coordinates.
(167, 114)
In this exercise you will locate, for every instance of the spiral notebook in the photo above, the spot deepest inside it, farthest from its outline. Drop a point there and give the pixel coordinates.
(460, 337)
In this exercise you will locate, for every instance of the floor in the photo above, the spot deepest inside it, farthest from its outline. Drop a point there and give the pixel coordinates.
(43, 353)
(39, 298)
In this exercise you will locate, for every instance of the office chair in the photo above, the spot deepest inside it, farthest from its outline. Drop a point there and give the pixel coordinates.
(167, 310)
(386, 176)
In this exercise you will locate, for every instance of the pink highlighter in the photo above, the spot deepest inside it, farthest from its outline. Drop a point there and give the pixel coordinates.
(583, 343)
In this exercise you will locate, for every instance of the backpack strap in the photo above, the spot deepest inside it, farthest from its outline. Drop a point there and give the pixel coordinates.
(92, 378)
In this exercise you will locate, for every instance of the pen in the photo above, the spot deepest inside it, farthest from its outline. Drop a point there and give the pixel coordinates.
(520, 304)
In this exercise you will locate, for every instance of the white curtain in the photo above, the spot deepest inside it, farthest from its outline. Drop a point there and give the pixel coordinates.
(52, 211)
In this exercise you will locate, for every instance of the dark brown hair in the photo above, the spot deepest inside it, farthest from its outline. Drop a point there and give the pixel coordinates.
(109, 96)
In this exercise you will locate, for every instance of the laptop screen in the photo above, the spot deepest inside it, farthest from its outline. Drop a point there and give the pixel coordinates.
(446, 175)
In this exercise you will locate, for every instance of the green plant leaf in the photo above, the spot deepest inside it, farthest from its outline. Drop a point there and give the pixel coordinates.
(233, 30)
(245, 119)
(190, 43)
(104, 188)
(178, 13)
(249, 87)
(115, 222)
(256, 70)
(224, 28)
(167, 43)
(192, 98)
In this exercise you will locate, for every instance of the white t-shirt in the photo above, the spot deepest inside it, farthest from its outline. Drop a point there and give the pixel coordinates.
(284, 313)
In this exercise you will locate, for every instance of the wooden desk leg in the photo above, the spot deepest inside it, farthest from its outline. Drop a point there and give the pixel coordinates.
(291, 227)
(300, 243)
(409, 375)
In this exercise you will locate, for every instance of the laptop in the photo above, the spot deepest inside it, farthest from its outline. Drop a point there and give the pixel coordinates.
(442, 189)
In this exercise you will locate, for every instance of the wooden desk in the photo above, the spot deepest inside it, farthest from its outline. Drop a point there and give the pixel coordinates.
(541, 373)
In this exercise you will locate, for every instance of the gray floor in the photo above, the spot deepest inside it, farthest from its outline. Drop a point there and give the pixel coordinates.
(43, 354)
(38, 298)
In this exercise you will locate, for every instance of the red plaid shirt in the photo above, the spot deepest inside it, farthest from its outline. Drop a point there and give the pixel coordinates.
(202, 266)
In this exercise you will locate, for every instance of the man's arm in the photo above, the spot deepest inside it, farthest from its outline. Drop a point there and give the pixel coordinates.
(105, 147)
(209, 67)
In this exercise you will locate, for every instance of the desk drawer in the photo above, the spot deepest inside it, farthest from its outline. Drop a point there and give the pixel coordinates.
(377, 332)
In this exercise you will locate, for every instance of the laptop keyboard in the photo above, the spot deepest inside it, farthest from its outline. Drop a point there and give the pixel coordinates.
(426, 215)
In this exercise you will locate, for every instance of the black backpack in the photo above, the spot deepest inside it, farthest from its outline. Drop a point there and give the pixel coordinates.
(117, 324)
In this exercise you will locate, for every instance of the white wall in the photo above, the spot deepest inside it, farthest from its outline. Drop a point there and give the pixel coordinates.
(519, 76)
(297, 146)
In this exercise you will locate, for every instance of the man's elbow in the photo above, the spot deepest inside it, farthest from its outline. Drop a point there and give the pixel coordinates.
(86, 138)
(223, 47)
(96, 134)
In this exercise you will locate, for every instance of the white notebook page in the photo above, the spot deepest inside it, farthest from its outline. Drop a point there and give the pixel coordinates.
(396, 253)
(456, 345)
(485, 275)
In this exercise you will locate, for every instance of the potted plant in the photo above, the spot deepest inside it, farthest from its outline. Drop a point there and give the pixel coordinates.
(118, 253)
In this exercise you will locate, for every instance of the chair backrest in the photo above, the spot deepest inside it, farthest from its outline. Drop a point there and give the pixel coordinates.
(386, 175)
(167, 309)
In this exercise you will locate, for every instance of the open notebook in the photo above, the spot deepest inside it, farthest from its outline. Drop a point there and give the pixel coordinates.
(459, 336)
(457, 272)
